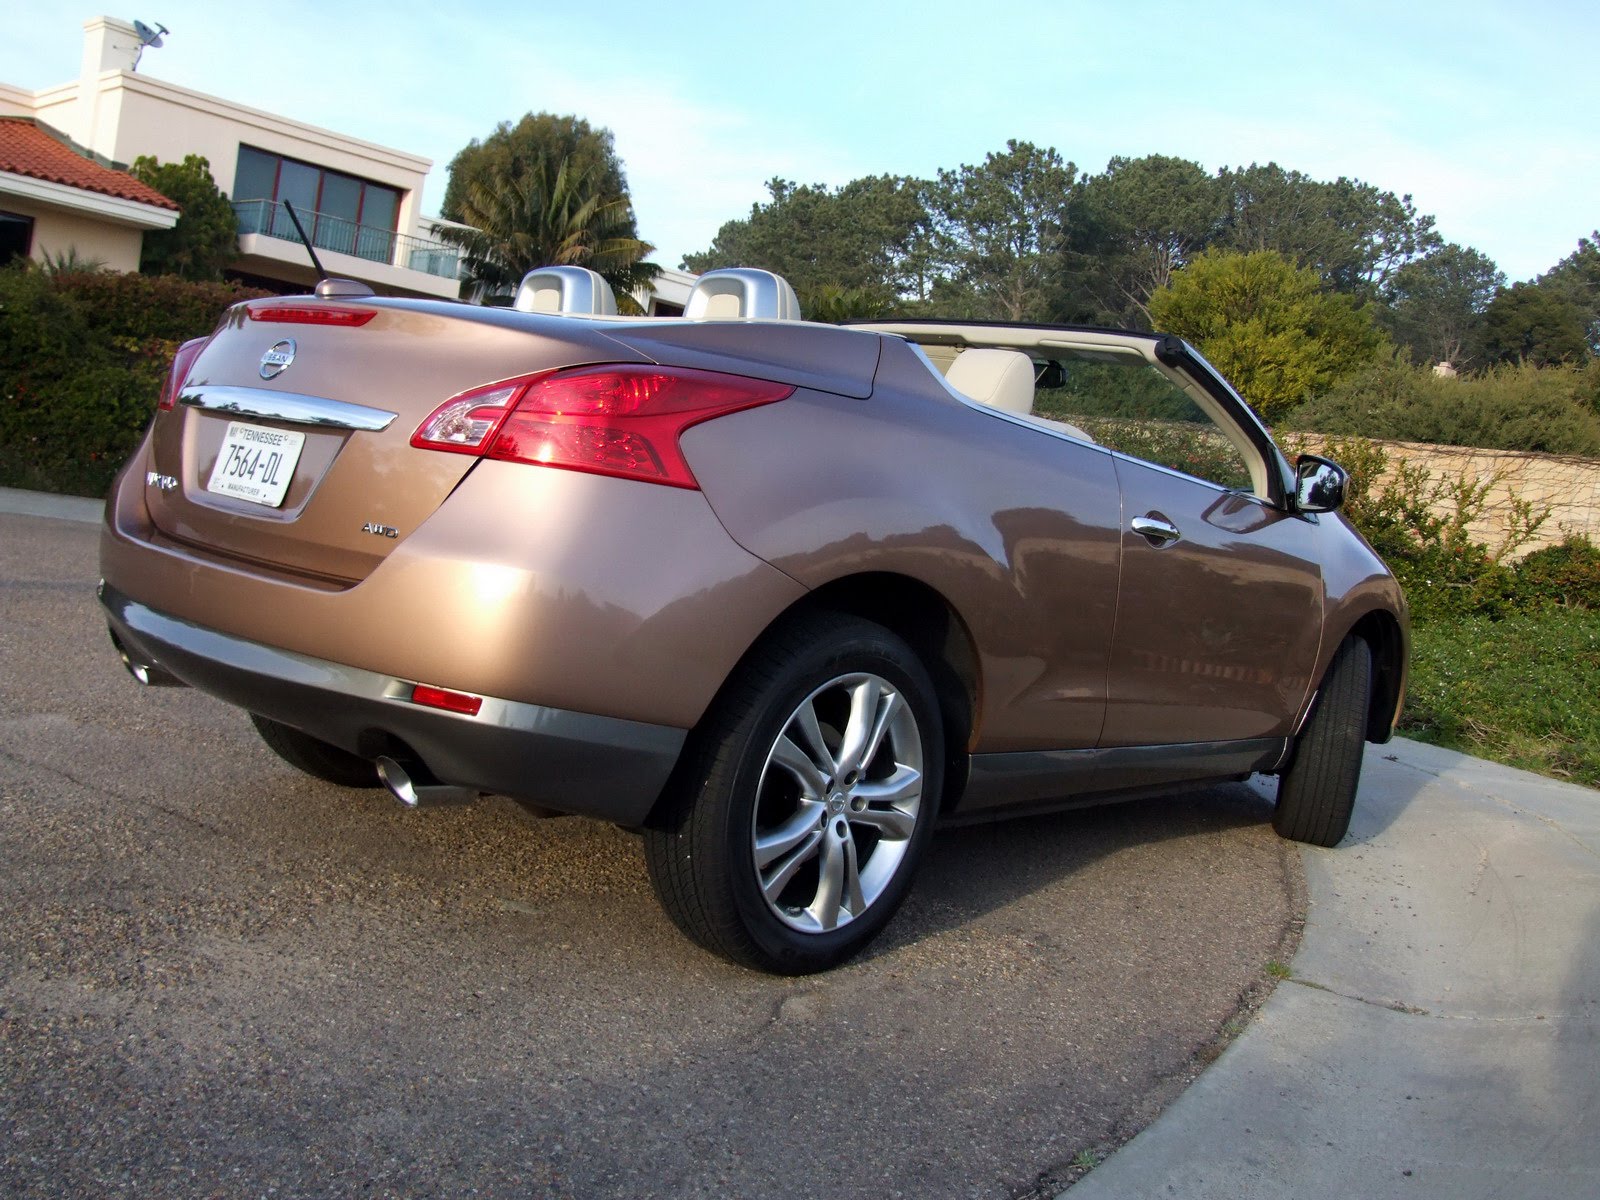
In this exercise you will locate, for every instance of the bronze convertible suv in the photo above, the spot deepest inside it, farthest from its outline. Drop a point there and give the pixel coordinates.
(780, 595)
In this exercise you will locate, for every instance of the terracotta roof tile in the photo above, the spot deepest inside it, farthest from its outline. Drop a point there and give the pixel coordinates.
(25, 149)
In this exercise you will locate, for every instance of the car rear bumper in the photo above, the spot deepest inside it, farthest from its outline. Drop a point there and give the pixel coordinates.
(575, 762)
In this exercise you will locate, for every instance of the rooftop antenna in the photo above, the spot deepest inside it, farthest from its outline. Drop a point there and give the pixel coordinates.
(327, 285)
(301, 230)
(147, 38)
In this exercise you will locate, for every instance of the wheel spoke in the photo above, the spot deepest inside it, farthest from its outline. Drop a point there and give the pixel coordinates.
(772, 885)
(860, 725)
(852, 879)
(813, 781)
(887, 707)
(805, 720)
(775, 843)
(831, 883)
(905, 784)
(893, 824)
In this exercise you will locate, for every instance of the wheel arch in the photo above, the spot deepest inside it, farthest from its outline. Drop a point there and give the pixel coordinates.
(1384, 634)
(931, 626)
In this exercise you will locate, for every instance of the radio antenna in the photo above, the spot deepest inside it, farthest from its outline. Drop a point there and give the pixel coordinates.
(301, 230)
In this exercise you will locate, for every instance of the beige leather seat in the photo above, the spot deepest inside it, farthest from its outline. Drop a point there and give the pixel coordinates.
(1002, 379)
(999, 378)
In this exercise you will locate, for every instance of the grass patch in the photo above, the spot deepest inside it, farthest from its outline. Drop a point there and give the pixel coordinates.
(1523, 690)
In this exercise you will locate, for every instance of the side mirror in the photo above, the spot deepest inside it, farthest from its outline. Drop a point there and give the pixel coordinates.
(1320, 484)
(1050, 374)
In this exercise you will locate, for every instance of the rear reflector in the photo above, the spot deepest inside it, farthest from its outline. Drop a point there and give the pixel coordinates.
(619, 419)
(463, 425)
(309, 314)
(456, 702)
(182, 361)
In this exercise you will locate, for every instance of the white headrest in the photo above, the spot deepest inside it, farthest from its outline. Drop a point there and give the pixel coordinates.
(577, 291)
(1000, 378)
(742, 294)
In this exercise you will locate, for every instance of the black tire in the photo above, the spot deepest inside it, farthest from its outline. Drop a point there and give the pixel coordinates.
(1317, 792)
(742, 792)
(315, 757)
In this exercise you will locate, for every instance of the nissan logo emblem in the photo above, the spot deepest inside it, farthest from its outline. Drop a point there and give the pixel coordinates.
(277, 358)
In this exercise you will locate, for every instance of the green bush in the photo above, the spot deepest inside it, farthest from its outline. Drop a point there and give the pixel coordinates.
(1504, 657)
(82, 361)
(1521, 407)
(1186, 446)
(1519, 690)
(149, 306)
(1420, 523)
(206, 237)
(1268, 325)
(1564, 574)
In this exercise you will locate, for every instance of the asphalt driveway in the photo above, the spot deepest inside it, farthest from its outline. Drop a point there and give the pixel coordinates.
(220, 977)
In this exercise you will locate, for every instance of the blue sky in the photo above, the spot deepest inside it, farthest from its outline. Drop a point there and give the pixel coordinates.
(1483, 112)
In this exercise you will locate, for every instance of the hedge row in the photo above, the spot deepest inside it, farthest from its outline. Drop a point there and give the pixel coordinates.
(1551, 410)
(1421, 525)
(82, 361)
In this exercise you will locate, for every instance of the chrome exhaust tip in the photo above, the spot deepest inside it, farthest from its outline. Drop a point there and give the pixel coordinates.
(148, 673)
(413, 794)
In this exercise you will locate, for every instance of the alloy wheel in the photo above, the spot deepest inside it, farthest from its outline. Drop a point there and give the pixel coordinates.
(838, 802)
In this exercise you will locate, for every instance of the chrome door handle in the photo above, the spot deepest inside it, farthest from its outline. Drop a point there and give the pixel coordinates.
(1156, 530)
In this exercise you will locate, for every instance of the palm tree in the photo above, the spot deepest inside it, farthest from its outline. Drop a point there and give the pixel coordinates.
(552, 212)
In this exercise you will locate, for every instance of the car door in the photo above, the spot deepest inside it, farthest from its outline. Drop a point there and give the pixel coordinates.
(1219, 613)
(1219, 606)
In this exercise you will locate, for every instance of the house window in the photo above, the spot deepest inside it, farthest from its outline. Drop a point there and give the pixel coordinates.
(16, 236)
(340, 212)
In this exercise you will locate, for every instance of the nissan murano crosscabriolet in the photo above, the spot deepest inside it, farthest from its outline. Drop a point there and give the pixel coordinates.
(781, 596)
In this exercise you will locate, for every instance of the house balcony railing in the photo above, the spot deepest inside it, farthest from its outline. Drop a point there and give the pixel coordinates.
(347, 237)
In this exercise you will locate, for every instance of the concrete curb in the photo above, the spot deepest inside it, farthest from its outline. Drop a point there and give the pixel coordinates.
(44, 504)
(1440, 1036)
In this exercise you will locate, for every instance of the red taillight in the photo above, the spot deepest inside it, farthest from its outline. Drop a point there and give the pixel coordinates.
(622, 420)
(179, 371)
(456, 702)
(308, 314)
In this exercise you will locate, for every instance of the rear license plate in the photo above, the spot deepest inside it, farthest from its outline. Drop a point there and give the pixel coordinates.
(256, 463)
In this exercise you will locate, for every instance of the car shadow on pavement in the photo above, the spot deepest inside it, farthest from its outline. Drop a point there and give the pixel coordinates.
(975, 870)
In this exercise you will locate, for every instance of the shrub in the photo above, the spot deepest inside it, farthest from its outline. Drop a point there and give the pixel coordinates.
(82, 359)
(206, 237)
(1267, 325)
(1567, 573)
(1521, 407)
(1519, 690)
(1420, 525)
(150, 306)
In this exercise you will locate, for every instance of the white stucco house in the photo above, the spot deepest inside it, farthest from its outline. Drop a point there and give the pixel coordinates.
(360, 200)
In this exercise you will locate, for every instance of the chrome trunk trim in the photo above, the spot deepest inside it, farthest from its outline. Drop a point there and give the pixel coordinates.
(289, 407)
